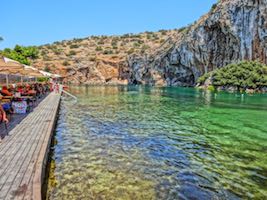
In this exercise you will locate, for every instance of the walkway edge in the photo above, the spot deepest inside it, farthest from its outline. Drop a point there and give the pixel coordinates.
(41, 164)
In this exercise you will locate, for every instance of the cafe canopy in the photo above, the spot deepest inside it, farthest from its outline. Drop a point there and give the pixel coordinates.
(31, 71)
(8, 66)
(50, 75)
(12, 71)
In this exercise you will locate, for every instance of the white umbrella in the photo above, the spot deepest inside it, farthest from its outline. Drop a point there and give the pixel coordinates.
(47, 74)
(56, 75)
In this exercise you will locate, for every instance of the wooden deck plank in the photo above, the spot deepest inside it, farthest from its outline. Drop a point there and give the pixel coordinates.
(19, 146)
(28, 177)
(13, 136)
(18, 143)
(46, 109)
(17, 159)
(23, 154)
(42, 160)
(16, 119)
(29, 161)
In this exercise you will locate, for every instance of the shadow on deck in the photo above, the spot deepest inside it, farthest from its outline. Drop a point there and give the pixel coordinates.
(15, 119)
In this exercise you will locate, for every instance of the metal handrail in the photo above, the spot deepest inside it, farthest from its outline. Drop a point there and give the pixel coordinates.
(69, 94)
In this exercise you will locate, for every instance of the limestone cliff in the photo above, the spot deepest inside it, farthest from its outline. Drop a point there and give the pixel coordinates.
(233, 30)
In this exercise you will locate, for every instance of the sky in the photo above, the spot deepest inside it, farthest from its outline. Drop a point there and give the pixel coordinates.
(37, 22)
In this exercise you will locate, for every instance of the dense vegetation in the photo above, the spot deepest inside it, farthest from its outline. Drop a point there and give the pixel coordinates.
(243, 75)
(21, 54)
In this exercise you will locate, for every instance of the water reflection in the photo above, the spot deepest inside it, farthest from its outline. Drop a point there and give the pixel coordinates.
(159, 143)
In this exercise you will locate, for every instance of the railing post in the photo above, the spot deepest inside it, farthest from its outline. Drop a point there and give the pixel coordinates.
(6, 79)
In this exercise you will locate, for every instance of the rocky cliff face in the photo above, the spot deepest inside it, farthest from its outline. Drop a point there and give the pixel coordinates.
(235, 30)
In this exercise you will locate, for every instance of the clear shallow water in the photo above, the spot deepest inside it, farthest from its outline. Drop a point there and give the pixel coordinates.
(159, 143)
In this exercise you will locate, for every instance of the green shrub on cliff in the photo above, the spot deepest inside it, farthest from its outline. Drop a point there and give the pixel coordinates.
(243, 75)
(66, 63)
(72, 53)
(201, 80)
(107, 52)
(131, 51)
(98, 48)
(47, 69)
(74, 46)
(213, 7)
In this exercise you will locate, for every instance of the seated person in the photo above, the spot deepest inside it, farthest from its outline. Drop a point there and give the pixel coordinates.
(12, 88)
(31, 92)
(41, 89)
(3, 113)
(6, 92)
(21, 90)
(37, 89)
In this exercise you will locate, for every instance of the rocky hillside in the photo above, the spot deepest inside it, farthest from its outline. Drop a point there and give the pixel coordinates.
(100, 59)
(233, 30)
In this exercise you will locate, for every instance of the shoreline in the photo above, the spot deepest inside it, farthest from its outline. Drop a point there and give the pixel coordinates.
(201, 87)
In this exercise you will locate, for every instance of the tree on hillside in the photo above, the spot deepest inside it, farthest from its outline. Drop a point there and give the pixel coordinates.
(47, 69)
(21, 54)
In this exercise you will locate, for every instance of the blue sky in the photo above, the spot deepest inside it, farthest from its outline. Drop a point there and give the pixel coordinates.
(36, 22)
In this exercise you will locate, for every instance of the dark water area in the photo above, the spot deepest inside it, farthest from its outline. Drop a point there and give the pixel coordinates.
(133, 142)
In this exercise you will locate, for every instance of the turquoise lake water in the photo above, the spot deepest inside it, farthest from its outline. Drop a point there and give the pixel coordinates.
(133, 142)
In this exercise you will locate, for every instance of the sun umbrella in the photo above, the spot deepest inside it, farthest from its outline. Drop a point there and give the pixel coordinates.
(11, 67)
(46, 74)
(8, 66)
(31, 71)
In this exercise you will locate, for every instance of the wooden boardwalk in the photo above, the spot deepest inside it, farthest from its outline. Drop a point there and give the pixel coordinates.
(23, 154)
(15, 119)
